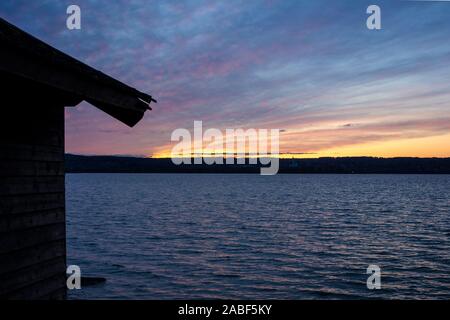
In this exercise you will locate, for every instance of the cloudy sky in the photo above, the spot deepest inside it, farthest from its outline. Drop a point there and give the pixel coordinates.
(309, 68)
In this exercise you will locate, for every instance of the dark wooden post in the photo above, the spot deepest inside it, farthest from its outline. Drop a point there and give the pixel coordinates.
(32, 205)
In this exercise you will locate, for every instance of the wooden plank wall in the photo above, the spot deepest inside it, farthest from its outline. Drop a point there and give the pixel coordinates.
(32, 201)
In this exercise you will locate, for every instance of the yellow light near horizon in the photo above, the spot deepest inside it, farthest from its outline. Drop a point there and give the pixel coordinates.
(429, 147)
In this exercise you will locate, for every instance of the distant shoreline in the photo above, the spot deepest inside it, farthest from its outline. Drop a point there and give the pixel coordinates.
(345, 165)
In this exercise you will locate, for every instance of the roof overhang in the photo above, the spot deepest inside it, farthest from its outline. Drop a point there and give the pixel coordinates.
(26, 56)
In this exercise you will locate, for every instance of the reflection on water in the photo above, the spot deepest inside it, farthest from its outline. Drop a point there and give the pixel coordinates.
(175, 236)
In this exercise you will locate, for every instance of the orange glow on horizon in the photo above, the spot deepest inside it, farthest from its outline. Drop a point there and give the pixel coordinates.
(428, 147)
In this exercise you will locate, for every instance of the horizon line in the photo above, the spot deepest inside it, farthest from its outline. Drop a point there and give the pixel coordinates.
(246, 157)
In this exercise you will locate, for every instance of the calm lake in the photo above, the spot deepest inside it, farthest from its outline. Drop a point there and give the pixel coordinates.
(189, 236)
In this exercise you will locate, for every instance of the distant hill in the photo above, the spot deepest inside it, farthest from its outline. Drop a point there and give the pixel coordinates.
(119, 164)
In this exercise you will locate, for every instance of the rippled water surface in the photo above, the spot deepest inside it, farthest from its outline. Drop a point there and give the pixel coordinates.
(175, 236)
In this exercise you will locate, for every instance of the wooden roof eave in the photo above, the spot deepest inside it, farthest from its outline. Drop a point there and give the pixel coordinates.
(30, 58)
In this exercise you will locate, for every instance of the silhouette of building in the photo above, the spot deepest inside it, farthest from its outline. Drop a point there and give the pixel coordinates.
(37, 82)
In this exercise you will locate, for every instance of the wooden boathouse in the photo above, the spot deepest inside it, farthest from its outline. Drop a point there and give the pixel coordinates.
(37, 82)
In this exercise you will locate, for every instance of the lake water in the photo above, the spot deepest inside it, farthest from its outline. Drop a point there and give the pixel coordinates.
(189, 236)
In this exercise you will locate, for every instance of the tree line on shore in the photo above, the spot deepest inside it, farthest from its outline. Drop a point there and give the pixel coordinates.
(345, 165)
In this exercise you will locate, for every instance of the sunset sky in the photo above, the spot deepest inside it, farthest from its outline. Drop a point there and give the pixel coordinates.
(309, 68)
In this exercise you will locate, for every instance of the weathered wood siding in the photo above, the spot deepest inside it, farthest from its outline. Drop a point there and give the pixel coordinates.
(32, 208)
